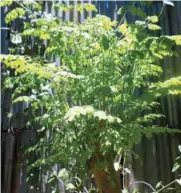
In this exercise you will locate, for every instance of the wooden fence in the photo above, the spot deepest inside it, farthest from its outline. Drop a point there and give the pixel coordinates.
(156, 154)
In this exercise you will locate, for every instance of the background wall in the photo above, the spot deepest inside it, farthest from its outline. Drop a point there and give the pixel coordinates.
(156, 154)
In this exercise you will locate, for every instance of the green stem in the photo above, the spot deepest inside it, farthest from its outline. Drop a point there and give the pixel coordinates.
(103, 80)
(142, 182)
(161, 12)
(21, 4)
(165, 186)
(124, 15)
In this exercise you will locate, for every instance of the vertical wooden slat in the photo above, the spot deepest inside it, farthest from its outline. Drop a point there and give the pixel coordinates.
(82, 15)
(75, 13)
(67, 14)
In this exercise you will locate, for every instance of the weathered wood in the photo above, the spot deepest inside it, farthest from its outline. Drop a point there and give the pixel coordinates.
(157, 154)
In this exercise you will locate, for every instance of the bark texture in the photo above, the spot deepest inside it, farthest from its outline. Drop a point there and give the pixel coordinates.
(107, 180)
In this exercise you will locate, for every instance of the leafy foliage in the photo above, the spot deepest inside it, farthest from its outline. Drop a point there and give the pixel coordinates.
(177, 164)
(6, 3)
(79, 7)
(14, 14)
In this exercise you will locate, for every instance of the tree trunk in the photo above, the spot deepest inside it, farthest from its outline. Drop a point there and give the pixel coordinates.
(106, 179)
(107, 182)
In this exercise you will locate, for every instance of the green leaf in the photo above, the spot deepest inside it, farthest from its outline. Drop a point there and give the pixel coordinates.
(168, 2)
(51, 179)
(153, 27)
(153, 19)
(136, 191)
(116, 165)
(176, 38)
(122, 10)
(101, 115)
(176, 166)
(14, 14)
(89, 7)
(8, 83)
(159, 185)
(137, 11)
(4, 3)
(179, 181)
(22, 98)
(171, 86)
(41, 130)
(127, 170)
(179, 148)
(70, 186)
(16, 38)
(63, 174)
(125, 190)
(54, 191)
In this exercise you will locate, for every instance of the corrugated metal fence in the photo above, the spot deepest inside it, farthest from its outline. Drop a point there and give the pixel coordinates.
(157, 154)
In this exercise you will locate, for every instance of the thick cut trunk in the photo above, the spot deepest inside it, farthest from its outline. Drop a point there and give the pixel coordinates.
(106, 180)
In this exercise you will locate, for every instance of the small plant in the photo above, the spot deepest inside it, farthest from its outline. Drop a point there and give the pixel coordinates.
(160, 188)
